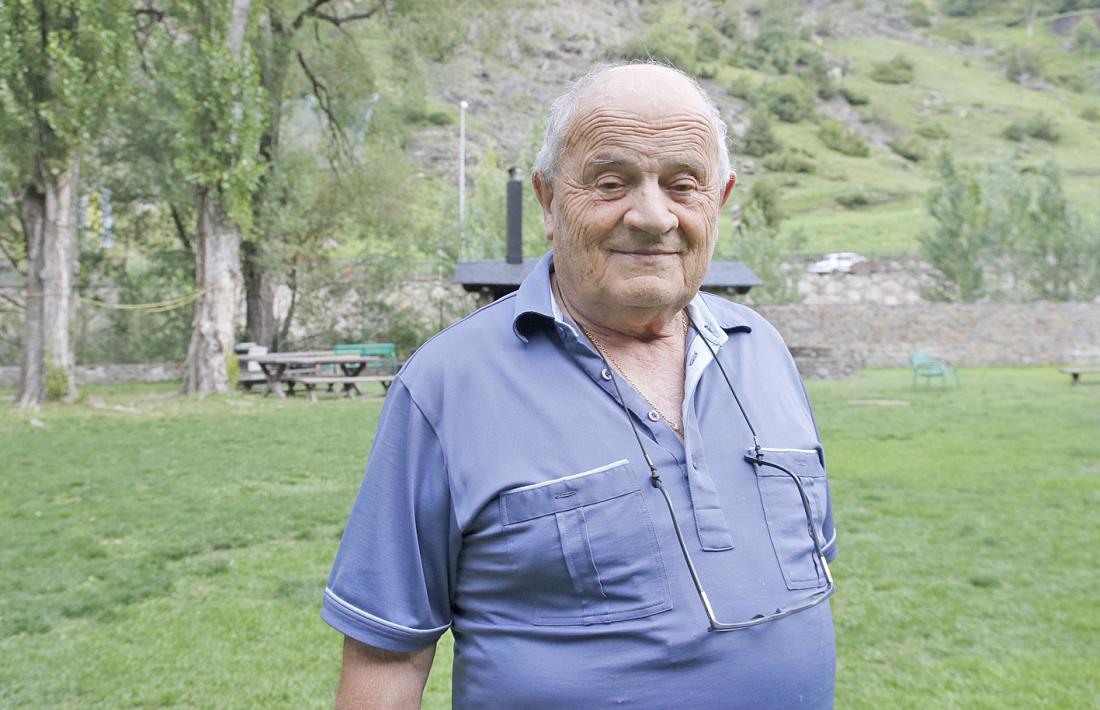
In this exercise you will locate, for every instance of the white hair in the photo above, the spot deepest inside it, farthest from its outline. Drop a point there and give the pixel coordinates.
(562, 109)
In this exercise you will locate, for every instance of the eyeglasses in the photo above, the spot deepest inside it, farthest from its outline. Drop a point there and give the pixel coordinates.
(757, 460)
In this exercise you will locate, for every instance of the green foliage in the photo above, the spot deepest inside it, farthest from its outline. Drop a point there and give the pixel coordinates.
(910, 148)
(728, 19)
(963, 8)
(932, 131)
(854, 97)
(776, 42)
(1039, 126)
(1086, 36)
(837, 136)
(1002, 233)
(1091, 113)
(958, 244)
(61, 67)
(812, 67)
(761, 245)
(1023, 64)
(759, 140)
(668, 38)
(708, 42)
(765, 197)
(220, 108)
(57, 383)
(789, 161)
(917, 14)
(789, 99)
(898, 70)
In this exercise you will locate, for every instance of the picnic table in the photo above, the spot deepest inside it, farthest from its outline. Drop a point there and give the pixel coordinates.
(313, 368)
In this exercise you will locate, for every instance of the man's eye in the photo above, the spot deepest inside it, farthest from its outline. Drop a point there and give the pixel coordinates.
(609, 184)
(683, 186)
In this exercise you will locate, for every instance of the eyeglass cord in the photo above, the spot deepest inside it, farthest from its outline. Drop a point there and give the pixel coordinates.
(655, 480)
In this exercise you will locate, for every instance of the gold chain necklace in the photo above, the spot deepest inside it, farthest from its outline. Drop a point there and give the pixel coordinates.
(678, 428)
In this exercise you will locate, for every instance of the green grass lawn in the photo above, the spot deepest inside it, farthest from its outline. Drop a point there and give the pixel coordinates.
(163, 552)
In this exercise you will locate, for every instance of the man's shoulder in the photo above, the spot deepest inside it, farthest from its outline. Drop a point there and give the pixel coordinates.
(729, 313)
(467, 343)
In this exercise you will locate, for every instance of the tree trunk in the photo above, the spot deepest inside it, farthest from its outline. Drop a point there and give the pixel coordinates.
(260, 327)
(218, 273)
(49, 220)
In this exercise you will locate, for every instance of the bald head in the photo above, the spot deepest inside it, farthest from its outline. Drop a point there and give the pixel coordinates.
(641, 89)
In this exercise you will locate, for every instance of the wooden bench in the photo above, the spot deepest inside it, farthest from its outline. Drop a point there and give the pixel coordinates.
(1076, 372)
(349, 383)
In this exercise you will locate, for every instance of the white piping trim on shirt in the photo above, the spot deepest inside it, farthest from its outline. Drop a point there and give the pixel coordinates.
(589, 472)
(790, 451)
(379, 620)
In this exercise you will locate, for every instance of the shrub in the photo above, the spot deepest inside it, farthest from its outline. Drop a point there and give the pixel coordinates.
(854, 97)
(708, 43)
(789, 161)
(1023, 63)
(853, 200)
(912, 149)
(729, 20)
(744, 87)
(836, 136)
(765, 196)
(1040, 126)
(932, 131)
(759, 139)
(963, 8)
(917, 14)
(958, 35)
(1091, 113)
(1086, 36)
(440, 118)
(791, 101)
(811, 67)
(898, 70)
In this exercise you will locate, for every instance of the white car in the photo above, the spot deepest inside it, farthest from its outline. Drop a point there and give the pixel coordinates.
(839, 261)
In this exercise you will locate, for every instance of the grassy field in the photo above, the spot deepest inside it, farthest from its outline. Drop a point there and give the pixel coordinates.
(162, 552)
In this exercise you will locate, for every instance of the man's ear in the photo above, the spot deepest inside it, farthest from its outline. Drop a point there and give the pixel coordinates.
(728, 188)
(544, 190)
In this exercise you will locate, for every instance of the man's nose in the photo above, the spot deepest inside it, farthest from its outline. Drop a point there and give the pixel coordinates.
(649, 209)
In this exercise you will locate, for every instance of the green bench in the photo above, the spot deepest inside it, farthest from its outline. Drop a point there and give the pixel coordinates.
(385, 351)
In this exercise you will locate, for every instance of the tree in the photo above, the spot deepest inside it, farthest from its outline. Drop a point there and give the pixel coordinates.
(1006, 232)
(957, 245)
(61, 65)
(763, 247)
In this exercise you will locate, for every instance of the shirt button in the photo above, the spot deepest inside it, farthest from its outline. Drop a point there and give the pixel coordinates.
(606, 374)
(653, 415)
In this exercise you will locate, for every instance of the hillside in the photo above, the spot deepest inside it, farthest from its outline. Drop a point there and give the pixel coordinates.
(904, 77)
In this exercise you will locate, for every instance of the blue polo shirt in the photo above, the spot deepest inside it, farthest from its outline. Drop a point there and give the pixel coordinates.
(506, 499)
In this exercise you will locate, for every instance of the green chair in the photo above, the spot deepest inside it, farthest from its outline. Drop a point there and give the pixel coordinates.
(928, 367)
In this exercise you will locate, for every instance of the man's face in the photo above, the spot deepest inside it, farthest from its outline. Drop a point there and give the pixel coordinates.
(633, 209)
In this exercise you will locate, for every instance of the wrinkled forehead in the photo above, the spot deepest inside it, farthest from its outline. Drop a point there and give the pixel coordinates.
(650, 117)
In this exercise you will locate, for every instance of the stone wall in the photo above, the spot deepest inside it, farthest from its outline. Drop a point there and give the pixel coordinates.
(872, 335)
(108, 374)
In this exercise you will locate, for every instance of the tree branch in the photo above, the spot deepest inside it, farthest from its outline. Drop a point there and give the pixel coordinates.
(324, 100)
(13, 301)
(181, 229)
(338, 21)
(308, 12)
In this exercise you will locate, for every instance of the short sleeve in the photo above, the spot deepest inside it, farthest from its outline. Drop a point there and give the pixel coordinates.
(390, 585)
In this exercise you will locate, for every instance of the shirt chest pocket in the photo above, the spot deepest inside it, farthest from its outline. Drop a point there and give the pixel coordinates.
(583, 548)
(786, 515)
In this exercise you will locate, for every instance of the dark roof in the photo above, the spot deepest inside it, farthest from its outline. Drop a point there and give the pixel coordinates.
(497, 272)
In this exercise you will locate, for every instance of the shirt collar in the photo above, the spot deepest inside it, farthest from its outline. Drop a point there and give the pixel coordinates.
(535, 303)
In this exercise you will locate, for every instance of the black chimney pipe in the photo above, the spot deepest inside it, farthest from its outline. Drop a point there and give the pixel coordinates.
(514, 254)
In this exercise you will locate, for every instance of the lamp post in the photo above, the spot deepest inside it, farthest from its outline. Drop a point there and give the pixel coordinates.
(462, 106)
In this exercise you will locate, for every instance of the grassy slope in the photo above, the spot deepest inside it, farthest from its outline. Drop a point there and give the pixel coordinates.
(173, 556)
(967, 79)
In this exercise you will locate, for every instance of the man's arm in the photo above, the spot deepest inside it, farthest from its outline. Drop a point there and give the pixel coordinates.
(375, 678)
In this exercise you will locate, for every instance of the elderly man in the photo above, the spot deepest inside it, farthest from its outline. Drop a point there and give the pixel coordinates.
(608, 486)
